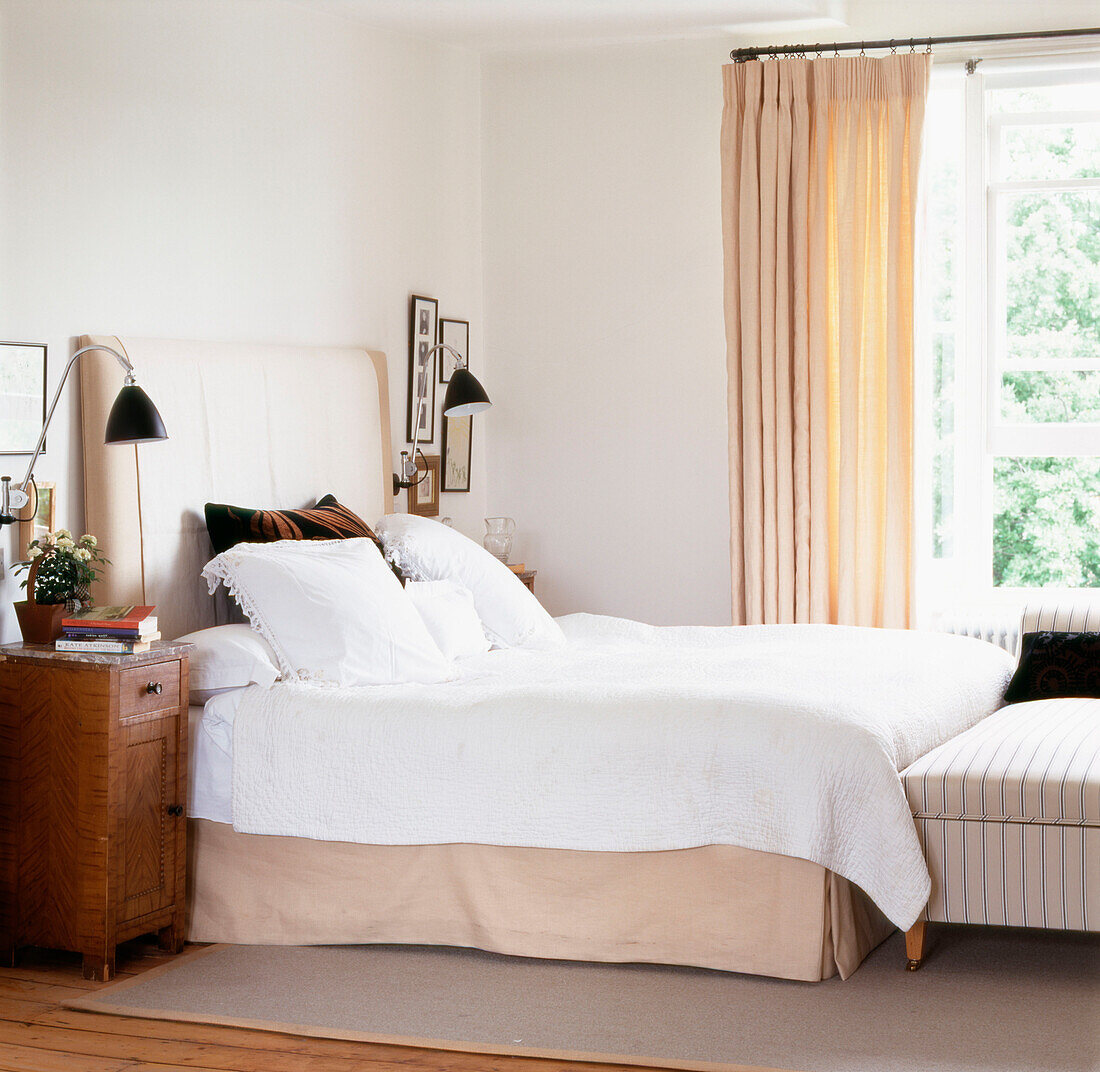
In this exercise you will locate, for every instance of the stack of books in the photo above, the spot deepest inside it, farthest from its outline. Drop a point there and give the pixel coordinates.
(109, 630)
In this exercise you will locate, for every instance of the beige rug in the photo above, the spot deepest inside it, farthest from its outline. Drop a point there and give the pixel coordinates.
(986, 999)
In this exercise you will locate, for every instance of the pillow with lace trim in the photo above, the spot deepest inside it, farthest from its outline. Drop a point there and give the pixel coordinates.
(426, 550)
(331, 610)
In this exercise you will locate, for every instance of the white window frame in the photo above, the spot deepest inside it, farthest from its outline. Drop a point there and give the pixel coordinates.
(981, 435)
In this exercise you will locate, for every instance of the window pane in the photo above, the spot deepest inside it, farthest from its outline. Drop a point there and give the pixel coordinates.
(943, 163)
(943, 460)
(1050, 397)
(1065, 151)
(1072, 97)
(1050, 250)
(1046, 525)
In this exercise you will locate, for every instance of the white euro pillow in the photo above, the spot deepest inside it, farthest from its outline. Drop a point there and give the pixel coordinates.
(448, 611)
(332, 611)
(425, 550)
(228, 657)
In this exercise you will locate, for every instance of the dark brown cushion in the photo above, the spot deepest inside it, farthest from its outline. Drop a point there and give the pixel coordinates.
(328, 520)
(1053, 665)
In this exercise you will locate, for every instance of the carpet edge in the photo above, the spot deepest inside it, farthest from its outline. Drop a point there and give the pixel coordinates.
(93, 1003)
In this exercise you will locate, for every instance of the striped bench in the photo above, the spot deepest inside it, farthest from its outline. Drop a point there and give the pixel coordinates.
(1008, 813)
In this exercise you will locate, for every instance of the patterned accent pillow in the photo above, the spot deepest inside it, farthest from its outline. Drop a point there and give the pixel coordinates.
(1054, 665)
(328, 520)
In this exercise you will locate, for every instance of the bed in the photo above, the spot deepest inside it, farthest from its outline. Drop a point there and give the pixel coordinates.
(270, 425)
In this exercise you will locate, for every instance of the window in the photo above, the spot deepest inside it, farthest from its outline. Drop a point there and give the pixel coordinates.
(1009, 411)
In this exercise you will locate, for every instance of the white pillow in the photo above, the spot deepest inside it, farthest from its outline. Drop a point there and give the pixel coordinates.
(425, 550)
(228, 657)
(332, 610)
(448, 611)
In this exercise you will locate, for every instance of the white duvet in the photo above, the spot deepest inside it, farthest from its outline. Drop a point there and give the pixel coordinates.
(786, 739)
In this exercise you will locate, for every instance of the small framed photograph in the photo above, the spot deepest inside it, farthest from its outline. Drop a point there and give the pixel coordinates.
(423, 320)
(424, 497)
(457, 441)
(33, 526)
(454, 333)
(22, 396)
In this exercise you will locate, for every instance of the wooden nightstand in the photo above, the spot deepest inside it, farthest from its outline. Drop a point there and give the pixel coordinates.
(527, 576)
(93, 780)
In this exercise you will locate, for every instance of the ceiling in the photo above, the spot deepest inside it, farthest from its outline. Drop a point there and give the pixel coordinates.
(504, 24)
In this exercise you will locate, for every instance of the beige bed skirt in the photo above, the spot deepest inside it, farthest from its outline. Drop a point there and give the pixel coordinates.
(714, 907)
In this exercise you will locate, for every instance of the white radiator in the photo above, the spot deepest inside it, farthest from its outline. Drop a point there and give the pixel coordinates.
(1000, 627)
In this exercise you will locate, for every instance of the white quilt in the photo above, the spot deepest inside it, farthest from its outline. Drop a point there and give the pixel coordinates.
(786, 739)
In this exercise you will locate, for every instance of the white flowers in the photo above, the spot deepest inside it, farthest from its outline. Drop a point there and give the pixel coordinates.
(62, 567)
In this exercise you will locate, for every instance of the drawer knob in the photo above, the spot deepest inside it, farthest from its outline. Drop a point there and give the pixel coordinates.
(175, 810)
(154, 687)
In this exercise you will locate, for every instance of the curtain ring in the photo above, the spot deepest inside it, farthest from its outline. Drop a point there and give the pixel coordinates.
(862, 51)
(893, 48)
(912, 47)
(928, 50)
(836, 52)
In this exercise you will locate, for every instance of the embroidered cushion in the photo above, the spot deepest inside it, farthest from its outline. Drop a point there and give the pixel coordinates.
(328, 520)
(1054, 665)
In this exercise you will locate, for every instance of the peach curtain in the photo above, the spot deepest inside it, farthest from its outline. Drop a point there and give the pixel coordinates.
(819, 179)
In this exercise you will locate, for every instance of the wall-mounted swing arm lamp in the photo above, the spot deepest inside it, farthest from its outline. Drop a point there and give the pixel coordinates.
(464, 396)
(133, 419)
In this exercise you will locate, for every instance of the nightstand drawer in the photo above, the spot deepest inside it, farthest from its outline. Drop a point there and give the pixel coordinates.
(149, 688)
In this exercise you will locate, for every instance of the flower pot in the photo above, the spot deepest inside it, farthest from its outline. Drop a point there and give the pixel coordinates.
(40, 623)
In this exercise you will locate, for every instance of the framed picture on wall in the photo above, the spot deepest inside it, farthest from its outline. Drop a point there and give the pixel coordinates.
(454, 333)
(34, 525)
(424, 497)
(22, 396)
(457, 439)
(423, 317)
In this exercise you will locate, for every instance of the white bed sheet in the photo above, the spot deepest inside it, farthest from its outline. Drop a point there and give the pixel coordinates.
(784, 739)
(210, 760)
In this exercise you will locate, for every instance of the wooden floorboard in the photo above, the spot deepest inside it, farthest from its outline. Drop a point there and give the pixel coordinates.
(38, 1035)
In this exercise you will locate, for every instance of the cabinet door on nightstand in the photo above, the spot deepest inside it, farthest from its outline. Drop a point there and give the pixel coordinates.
(149, 764)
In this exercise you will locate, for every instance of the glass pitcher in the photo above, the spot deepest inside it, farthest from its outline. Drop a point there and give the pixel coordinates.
(499, 532)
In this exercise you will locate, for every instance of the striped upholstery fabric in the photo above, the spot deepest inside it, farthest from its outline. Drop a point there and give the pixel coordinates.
(1080, 616)
(1009, 817)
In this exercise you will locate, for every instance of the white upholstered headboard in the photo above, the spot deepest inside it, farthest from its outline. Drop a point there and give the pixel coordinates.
(257, 426)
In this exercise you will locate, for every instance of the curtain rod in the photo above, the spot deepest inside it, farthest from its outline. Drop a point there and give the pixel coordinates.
(740, 55)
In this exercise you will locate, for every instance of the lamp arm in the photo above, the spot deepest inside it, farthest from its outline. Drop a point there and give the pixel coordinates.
(408, 459)
(123, 361)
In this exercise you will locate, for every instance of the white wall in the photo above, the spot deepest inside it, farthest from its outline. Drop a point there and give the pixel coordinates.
(603, 294)
(231, 169)
(223, 169)
(603, 300)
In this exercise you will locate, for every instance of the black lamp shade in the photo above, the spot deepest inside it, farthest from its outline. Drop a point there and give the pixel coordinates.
(134, 418)
(464, 395)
